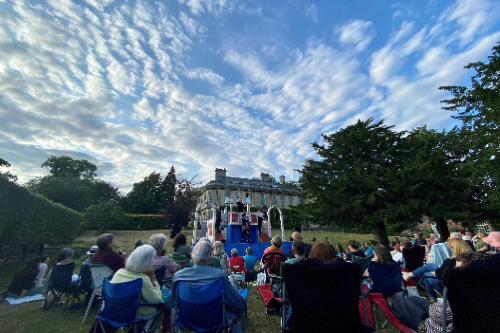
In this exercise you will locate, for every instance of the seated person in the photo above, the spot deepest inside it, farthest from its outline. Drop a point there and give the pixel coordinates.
(221, 255)
(139, 265)
(381, 254)
(180, 249)
(412, 255)
(431, 270)
(298, 236)
(276, 244)
(299, 251)
(105, 254)
(24, 282)
(419, 240)
(237, 263)
(201, 274)
(397, 255)
(44, 261)
(368, 249)
(250, 260)
(479, 244)
(322, 251)
(354, 250)
(158, 241)
(90, 253)
(64, 258)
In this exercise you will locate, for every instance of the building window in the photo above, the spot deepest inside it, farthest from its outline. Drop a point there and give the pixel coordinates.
(290, 200)
(282, 201)
(237, 196)
(275, 200)
(262, 199)
(228, 196)
(248, 199)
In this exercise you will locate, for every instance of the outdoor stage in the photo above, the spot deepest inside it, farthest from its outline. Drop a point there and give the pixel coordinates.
(258, 248)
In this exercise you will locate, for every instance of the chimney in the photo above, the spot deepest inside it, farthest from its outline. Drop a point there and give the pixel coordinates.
(307, 163)
(264, 177)
(282, 179)
(220, 173)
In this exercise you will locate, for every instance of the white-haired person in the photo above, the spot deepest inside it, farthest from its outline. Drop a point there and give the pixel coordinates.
(201, 274)
(158, 242)
(139, 265)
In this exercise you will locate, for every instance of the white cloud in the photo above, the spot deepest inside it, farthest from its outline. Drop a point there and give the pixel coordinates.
(311, 11)
(205, 75)
(358, 33)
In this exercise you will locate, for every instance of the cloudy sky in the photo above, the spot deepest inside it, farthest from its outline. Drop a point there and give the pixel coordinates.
(137, 86)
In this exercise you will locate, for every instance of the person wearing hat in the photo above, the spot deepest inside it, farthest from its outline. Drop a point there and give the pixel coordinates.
(493, 239)
(90, 253)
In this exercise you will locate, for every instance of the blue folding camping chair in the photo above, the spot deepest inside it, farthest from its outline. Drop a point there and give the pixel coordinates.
(121, 304)
(201, 309)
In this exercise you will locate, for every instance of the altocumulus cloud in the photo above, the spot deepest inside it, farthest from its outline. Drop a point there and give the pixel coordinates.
(136, 86)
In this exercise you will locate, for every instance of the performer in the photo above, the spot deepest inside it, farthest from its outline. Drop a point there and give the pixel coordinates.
(241, 209)
(218, 218)
(245, 228)
(260, 217)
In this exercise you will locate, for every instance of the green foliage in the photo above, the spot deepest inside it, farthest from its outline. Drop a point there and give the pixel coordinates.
(478, 107)
(293, 216)
(66, 167)
(29, 218)
(104, 215)
(149, 196)
(8, 175)
(179, 210)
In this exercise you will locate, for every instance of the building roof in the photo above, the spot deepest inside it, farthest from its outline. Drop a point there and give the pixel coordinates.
(253, 185)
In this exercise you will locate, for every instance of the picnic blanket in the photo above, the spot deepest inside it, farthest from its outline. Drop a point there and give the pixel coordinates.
(13, 301)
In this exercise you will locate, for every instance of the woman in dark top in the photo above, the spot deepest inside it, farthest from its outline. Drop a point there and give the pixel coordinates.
(180, 248)
(435, 274)
(354, 250)
(24, 282)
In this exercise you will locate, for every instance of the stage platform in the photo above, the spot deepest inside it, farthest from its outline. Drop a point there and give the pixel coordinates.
(258, 248)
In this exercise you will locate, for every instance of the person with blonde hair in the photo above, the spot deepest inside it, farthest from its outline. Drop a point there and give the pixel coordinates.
(221, 254)
(434, 274)
(276, 244)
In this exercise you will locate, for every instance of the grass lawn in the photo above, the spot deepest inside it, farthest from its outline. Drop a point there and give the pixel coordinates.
(30, 318)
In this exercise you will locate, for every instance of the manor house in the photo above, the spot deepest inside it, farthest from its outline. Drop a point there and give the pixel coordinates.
(260, 193)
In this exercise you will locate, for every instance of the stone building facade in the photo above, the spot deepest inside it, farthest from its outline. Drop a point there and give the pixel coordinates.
(259, 192)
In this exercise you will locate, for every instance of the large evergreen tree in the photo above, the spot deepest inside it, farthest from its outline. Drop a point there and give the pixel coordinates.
(478, 107)
(356, 182)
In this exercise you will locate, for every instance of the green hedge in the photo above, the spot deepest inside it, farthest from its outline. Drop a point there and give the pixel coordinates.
(27, 218)
(292, 217)
(107, 216)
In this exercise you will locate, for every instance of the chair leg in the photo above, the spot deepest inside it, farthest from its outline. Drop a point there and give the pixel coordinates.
(88, 307)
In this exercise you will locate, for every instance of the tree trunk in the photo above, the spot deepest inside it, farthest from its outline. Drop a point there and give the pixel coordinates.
(442, 228)
(380, 233)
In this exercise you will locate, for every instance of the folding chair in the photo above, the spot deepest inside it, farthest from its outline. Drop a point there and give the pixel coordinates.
(386, 281)
(99, 272)
(272, 261)
(180, 260)
(473, 293)
(60, 284)
(324, 296)
(121, 305)
(362, 262)
(201, 309)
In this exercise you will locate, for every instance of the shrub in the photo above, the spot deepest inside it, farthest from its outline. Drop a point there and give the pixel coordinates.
(27, 218)
(104, 215)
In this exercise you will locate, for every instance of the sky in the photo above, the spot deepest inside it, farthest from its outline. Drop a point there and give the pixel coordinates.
(138, 86)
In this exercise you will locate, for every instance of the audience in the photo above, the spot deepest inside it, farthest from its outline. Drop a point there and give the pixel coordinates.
(201, 274)
(432, 239)
(340, 252)
(479, 244)
(90, 253)
(493, 240)
(221, 255)
(105, 254)
(298, 250)
(180, 249)
(368, 249)
(249, 260)
(139, 265)
(322, 251)
(396, 253)
(298, 236)
(44, 261)
(419, 240)
(237, 262)
(395, 241)
(354, 250)
(158, 242)
(431, 270)
(24, 282)
(276, 244)
(413, 255)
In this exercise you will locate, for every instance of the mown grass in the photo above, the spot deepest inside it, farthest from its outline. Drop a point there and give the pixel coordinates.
(30, 318)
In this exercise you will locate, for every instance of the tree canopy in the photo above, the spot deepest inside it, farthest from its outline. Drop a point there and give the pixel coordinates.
(67, 167)
(8, 175)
